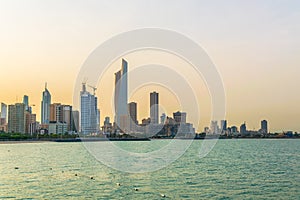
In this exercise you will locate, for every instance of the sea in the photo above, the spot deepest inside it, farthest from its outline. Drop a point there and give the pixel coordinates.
(233, 169)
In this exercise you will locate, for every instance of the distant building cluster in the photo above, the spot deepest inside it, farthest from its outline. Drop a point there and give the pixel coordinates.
(56, 118)
(223, 129)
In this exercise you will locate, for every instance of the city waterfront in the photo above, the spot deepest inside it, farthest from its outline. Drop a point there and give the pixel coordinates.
(234, 169)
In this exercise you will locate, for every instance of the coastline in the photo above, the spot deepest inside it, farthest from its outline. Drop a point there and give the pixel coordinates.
(125, 139)
(23, 141)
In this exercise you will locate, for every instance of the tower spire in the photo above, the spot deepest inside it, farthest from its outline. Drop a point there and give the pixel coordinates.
(45, 85)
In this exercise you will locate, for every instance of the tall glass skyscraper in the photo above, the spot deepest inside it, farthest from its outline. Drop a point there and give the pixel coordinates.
(26, 102)
(223, 125)
(46, 101)
(88, 111)
(121, 97)
(154, 107)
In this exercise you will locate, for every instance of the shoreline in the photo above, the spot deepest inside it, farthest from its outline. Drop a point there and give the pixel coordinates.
(23, 141)
(125, 139)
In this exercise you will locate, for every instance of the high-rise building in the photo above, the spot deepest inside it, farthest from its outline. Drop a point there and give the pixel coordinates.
(16, 118)
(26, 102)
(179, 117)
(88, 111)
(45, 111)
(154, 103)
(98, 119)
(62, 114)
(264, 126)
(67, 117)
(243, 128)
(214, 128)
(132, 109)
(3, 115)
(30, 122)
(55, 112)
(121, 97)
(234, 129)
(223, 125)
(117, 94)
(107, 126)
(75, 122)
(163, 118)
(124, 89)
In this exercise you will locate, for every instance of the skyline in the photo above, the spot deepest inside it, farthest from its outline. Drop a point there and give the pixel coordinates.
(154, 114)
(256, 52)
(141, 116)
(91, 123)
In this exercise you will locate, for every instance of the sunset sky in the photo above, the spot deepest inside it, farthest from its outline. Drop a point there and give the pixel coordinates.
(254, 44)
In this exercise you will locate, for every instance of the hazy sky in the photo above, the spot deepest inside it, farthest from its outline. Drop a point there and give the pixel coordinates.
(255, 45)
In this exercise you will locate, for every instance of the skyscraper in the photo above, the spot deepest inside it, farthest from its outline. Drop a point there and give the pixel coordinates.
(62, 114)
(223, 125)
(264, 126)
(26, 102)
(154, 102)
(46, 101)
(30, 125)
(3, 114)
(88, 111)
(98, 120)
(75, 122)
(55, 112)
(132, 108)
(16, 118)
(121, 97)
(214, 128)
(117, 95)
(243, 128)
(67, 117)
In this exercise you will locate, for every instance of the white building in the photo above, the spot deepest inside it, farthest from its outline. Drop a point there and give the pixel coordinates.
(46, 101)
(88, 111)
